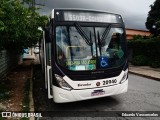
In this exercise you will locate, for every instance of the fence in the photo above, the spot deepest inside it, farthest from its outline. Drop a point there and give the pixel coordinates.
(8, 60)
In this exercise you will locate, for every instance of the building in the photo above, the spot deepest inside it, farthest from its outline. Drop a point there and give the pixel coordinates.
(132, 32)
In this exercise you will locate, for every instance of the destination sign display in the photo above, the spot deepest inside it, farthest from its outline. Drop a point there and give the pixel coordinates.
(87, 16)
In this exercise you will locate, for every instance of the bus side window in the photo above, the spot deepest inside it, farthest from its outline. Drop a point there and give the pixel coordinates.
(62, 43)
(60, 55)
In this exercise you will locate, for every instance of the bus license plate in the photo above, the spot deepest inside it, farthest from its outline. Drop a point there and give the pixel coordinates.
(98, 92)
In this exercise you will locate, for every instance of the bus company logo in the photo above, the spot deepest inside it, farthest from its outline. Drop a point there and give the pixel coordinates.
(98, 83)
(87, 84)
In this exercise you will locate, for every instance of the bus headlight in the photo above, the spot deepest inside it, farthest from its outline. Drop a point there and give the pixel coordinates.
(62, 83)
(125, 77)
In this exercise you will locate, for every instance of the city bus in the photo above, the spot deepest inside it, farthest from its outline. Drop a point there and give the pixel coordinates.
(84, 55)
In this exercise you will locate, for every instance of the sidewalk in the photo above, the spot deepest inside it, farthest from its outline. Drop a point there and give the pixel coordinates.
(145, 71)
(15, 84)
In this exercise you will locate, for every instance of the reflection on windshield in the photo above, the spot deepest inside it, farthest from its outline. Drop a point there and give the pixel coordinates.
(72, 50)
(112, 51)
(74, 53)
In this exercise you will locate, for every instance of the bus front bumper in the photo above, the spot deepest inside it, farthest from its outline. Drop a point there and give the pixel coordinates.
(63, 96)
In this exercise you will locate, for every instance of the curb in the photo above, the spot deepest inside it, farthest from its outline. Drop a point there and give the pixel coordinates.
(147, 76)
(31, 103)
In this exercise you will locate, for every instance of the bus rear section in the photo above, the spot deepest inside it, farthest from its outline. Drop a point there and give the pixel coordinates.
(85, 55)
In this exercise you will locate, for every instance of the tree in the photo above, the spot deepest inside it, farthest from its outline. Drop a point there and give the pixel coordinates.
(153, 19)
(19, 25)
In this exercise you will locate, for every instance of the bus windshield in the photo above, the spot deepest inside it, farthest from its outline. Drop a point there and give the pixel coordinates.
(90, 48)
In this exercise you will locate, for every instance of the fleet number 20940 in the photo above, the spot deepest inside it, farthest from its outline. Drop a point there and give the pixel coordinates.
(107, 82)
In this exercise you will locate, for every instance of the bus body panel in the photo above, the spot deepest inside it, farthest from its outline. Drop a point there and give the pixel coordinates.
(87, 84)
(61, 95)
(64, 96)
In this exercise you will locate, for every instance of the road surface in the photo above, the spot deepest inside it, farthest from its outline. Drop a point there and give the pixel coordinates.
(143, 95)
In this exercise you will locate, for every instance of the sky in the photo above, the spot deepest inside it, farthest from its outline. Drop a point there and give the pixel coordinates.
(134, 12)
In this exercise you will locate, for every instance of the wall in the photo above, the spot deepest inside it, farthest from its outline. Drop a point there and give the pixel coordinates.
(8, 60)
(131, 32)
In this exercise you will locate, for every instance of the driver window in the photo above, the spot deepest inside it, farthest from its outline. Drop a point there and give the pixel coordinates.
(61, 43)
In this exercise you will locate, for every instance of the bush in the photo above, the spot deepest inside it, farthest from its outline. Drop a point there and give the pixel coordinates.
(140, 60)
(155, 64)
(145, 49)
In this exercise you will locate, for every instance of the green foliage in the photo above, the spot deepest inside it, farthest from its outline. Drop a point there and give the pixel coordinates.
(1, 118)
(26, 100)
(155, 64)
(4, 90)
(148, 50)
(19, 25)
(139, 37)
(153, 18)
(140, 60)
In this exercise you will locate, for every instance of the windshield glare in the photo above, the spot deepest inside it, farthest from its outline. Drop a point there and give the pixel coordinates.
(75, 53)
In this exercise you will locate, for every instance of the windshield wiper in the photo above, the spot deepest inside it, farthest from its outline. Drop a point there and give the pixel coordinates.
(105, 34)
(99, 44)
(85, 37)
(101, 41)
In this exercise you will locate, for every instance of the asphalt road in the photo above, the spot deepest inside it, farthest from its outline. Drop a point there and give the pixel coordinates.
(143, 95)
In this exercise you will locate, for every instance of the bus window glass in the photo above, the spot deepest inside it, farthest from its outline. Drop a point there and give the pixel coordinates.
(75, 53)
(112, 48)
